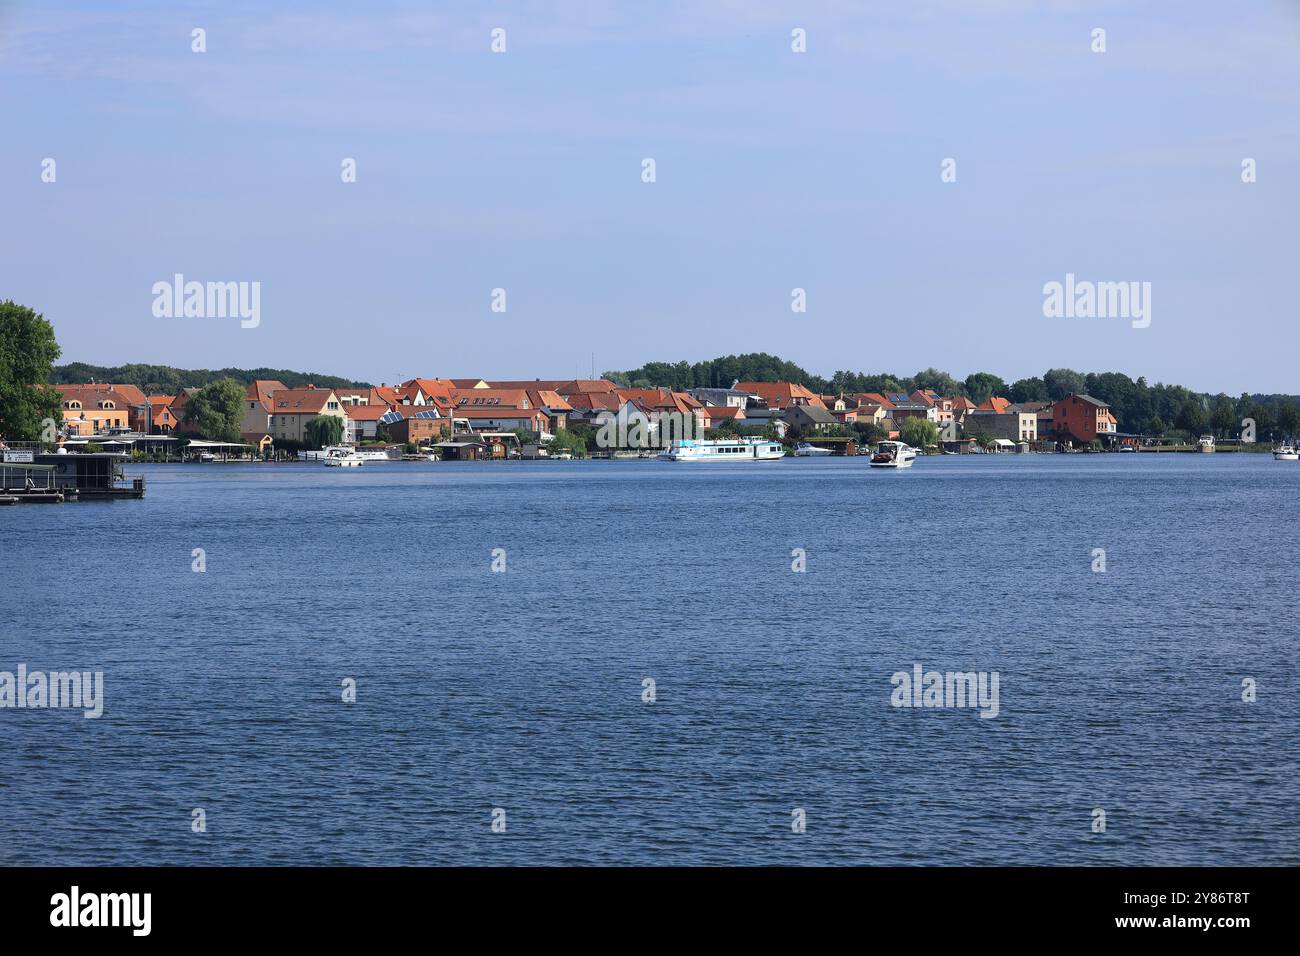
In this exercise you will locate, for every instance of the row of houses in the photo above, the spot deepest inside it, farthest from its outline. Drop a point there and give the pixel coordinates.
(423, 410)
(1079, 419)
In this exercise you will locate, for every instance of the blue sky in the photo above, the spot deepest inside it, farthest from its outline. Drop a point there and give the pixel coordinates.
(775, 170)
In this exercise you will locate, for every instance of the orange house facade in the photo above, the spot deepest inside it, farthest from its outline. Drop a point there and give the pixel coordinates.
(92, 409)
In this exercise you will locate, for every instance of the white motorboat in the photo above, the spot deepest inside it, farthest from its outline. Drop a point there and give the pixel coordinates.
(735, 449)
(365, 454)
(1205, 443)
(805, 450)
(893, 454)
(1286, 453)
(342, 458)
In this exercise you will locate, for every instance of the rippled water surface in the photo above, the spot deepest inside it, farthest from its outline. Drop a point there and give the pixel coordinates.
(1118, 690)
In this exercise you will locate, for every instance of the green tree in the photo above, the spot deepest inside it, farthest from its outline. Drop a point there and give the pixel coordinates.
(217, 409)
(937, 381)
(919, 432)
(27, 353)
(1191, 417)
(1061, 382)
(1223, 416)
(981, 386)
(323, 431)
(160, 379)
(566, 439)
(1288, 419)
(1028, 390)
(1119, 392)
(1264, 421)
(869, 433)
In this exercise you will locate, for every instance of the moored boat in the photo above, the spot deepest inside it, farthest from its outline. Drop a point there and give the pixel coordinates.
(365, 454)
(805, 450)
(1286, 453)
(343, 458)
(893, 454)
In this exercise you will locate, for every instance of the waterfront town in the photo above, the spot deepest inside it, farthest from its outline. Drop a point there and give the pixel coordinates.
(477, 418)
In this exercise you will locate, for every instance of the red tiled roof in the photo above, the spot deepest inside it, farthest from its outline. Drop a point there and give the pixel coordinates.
(499, 412)
(722, 411)
(122, 397)
(650, 396)
(543, 384)
(495, 397)
(593, 401)
(585, 385)
(261, 389)
(438, 390)
(551, 399)
(874, 398)
(781, 394)
(398, 395)
(297, 401)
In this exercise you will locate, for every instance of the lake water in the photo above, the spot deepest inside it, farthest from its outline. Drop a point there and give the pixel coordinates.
(522, 690)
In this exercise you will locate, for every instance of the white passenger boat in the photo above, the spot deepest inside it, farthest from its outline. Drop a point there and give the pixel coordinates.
(805, 450)
(737, 449)
(342, 458)
(1205, 443)
(1286, 453)
(893, 454)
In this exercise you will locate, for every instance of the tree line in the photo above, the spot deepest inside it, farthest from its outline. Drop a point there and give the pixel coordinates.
(166, 380)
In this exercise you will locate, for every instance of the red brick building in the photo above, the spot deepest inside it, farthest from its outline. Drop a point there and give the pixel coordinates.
(1082, 418)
